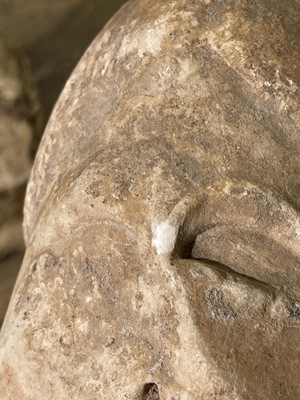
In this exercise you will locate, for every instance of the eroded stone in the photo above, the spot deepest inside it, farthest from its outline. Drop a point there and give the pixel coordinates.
(162, 216)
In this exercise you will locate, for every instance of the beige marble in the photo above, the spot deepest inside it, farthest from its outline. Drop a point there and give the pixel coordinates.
(162, 215)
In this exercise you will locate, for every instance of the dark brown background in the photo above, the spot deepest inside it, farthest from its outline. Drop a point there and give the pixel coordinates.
(54, 34)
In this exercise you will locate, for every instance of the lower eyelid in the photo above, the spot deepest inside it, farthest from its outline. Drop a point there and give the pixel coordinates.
(205, 279)
(228, 273)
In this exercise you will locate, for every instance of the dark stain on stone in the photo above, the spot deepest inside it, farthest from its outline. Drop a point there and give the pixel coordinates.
(293, 311)
(51, 261)
(150, 392)
(33, 268)
(218, 308)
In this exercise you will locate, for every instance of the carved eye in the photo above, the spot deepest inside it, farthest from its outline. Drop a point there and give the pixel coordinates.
(240, 229)
(246, 252)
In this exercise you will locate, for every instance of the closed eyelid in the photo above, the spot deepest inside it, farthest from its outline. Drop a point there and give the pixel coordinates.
(249, 253)
(250, 231)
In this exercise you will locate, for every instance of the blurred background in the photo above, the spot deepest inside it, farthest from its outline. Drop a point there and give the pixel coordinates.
(41, 41)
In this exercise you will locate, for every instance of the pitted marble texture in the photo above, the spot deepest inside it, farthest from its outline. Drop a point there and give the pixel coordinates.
(162, 215)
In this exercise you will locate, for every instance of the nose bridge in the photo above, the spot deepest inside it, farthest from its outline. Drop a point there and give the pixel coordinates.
(181, 368)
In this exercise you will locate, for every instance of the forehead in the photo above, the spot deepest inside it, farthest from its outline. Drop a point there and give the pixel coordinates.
(194, 92)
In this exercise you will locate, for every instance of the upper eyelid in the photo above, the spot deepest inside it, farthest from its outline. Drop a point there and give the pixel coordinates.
(249, 253)
(235, 203)
(248, 210)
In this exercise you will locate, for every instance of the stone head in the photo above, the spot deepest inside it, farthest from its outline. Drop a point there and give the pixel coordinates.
(162, 215)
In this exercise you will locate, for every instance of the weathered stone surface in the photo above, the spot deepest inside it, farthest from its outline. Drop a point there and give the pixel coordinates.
(19, 122)
(162, 216)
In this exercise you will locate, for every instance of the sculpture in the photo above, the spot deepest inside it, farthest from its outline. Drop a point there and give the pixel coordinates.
(162, 216)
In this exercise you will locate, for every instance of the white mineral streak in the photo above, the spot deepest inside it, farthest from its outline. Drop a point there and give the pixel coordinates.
(146, 40)
(164, 236)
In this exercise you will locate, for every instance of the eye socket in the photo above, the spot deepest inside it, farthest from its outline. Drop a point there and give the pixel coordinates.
(246, 252)
(243, 229)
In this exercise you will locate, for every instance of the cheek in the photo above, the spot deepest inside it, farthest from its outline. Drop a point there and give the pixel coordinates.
(251, 332)
(82, 321)
(99, 314)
